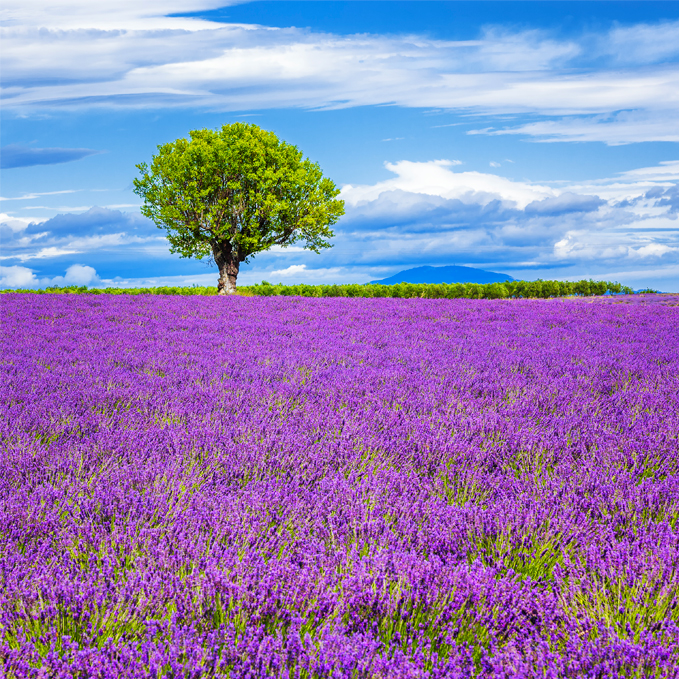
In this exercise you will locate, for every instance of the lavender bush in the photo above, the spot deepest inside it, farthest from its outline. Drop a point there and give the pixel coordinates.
(290, 487)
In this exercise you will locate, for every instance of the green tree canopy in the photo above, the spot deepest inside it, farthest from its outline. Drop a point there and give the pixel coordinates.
(234, 192)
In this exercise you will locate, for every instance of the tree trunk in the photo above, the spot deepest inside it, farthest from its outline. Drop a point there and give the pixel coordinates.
(228, 262)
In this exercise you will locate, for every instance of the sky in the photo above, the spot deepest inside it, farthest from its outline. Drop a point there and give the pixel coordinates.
(536, 139)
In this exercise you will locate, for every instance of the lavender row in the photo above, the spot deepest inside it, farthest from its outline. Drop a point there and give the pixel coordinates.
(292, 487)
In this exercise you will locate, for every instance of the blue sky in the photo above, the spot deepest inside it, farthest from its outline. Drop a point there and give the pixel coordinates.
(539, 139)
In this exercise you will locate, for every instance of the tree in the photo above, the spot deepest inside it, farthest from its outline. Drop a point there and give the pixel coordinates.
(234, 192)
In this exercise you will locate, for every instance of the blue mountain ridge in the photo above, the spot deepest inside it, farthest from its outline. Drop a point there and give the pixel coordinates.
(444, 274)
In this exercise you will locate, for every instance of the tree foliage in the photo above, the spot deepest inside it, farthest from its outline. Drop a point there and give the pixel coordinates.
(234, 192)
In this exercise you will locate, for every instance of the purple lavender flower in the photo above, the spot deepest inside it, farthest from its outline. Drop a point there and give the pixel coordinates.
(283, 487)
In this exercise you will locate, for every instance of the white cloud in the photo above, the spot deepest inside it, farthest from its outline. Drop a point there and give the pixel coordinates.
(666, 170)
(643, 43)
(16, 224)
(653, 250)
(78, 274)
(45, 253)
(631, 186)
(106, 14)
(280, 249)
(31, 196)
(436, 178)
(25, 278)
(584, 245)
(429, 213)
(292, 270)
(95, 229)
(79, 245)
(426, 213)
(17, 277)
(133, 54)
(626, 127)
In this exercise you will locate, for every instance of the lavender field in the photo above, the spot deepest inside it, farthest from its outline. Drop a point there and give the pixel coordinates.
(286, 487)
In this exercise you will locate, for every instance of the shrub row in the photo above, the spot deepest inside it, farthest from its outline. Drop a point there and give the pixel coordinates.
(537, 289)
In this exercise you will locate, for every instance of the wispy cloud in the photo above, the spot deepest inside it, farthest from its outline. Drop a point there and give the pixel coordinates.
(625, 127)
(620, 86)
(16, 155)
(33, 196)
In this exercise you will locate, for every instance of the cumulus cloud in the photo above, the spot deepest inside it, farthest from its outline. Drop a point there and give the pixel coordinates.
(426, 213)
(78, 274)
(433, 213)
(16, 155)
(437, 178)
(652, 250)
(17, 277)
(24, 278)
(14, 224)
(617, 87)
(292, 270)
(97, 229)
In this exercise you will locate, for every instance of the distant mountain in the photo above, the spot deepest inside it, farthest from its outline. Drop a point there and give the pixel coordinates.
(444, 274)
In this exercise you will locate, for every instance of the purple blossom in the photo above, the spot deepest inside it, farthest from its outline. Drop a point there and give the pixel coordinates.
(292, 487)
